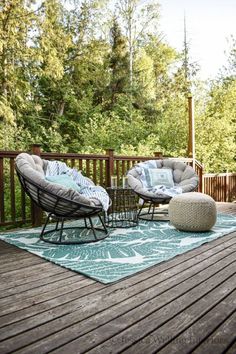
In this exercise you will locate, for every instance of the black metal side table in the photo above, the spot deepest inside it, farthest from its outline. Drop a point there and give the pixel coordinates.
(123, 211)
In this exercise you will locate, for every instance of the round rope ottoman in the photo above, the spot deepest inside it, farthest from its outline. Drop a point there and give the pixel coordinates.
(192, 212)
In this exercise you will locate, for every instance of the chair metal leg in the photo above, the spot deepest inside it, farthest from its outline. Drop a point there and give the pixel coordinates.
(56, 233)
(103, 223)
(57, 223)
(85, 223)
(92, 227)
(153, 211)
(139, 212)
(61, 230)
(44, 226)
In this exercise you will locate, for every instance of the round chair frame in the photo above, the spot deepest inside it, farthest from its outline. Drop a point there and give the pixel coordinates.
(154, 212)
(61, 209)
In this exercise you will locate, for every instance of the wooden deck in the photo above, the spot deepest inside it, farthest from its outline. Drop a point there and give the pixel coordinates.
(185, 305)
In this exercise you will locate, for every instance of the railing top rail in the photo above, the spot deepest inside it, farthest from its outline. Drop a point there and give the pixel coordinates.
(198, 163)
(135, 158)
(8, 154)
(184, 159)
(220, 174)
(4, 153)
(73, 156)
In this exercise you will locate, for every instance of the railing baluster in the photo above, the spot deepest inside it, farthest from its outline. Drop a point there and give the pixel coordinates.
(2, 204)
(88, 168)
(95, 171)
(123, 168)
(128, 166)
(118, 171)
(101, 182)
(80, 164)
(12, 189)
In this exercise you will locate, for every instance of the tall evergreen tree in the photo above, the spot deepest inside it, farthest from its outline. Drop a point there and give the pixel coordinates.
(17, 23)
(118, 63)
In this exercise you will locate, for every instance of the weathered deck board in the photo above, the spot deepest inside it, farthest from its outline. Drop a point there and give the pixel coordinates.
(138, 323)
(184, 305)
(231, 349)
(172, 272)
(221, 337)
(98, 320)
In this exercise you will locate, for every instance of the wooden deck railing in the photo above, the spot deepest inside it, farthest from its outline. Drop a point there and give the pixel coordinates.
(221, 186)
(15, 207)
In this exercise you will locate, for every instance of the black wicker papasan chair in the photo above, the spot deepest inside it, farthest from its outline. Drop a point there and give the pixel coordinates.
(172, 173)
(60, 204)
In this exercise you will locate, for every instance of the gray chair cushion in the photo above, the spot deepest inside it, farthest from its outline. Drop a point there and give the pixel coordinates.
(184, 176)
(34, 167)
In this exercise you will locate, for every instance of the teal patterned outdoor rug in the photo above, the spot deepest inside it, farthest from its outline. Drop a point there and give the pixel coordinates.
(124, 252)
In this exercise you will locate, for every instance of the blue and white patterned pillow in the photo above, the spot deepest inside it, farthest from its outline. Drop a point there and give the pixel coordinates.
(159, 177)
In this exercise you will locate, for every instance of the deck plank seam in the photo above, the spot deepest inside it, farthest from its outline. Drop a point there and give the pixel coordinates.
(165, 304)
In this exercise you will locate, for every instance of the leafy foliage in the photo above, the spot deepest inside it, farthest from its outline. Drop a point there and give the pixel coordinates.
(75, 76)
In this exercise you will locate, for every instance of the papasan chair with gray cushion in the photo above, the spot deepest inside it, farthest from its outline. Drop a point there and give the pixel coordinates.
(157, 181)
(60, 203)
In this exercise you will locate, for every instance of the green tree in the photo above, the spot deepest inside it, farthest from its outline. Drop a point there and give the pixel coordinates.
(216, 129)
(139, 18)
(117, 64)
(17, 23)
(152, 67)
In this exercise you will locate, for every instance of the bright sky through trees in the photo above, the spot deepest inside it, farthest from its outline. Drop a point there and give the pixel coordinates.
(209, 24)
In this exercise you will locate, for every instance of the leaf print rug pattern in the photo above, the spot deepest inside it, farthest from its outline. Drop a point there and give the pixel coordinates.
(124, 252)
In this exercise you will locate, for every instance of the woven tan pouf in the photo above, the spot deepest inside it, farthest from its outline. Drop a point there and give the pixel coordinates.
(192, 212)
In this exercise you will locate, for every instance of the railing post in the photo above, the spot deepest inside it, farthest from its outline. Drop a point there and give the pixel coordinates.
(36, 149)
(199, 168)
(109, 166)
(36, 212)
(202, 183)
(158, 154)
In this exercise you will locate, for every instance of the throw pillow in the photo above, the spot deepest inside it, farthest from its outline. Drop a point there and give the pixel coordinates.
(159, 176)
(81, 180)
(64, 180)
